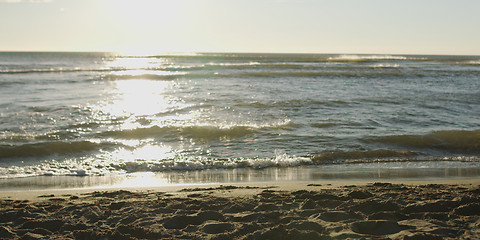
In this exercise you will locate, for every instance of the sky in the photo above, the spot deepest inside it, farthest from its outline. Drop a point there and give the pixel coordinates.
(280, 26)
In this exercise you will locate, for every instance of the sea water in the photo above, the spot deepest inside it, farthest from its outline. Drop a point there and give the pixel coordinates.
(107, 114)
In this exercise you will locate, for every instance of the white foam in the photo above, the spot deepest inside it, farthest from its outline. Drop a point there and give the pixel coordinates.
(474, 62)
(386, 65)
(234, 64)
(121, 163)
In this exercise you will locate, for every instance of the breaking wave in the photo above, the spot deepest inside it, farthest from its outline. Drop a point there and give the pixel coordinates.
(355, 58)
(190, 164)
(472, 62)
(102, 166)
(98, 167)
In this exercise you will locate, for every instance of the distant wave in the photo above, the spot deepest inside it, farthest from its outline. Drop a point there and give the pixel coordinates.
(293, 59)
(384, 65)
(58, 70)
(248, 73)
(325, 125)
(308, 74)
(291, 103)
(471, 62)
(317, 65)
(456, 141)
(234, 64)
(15, 82)
(351, 58)
(152, 76)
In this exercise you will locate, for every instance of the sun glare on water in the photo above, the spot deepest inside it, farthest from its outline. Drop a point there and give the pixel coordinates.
(136, 98)
(140, 97)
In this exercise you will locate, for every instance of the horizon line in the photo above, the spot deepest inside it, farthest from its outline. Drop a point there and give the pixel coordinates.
(180, 53)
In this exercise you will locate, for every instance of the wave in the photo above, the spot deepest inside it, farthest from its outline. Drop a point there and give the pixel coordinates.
(455, 141)
(384, 65)
(160, 76)
(239, 59)
(308, 74)
(325, 125)
(325, 67)
(470, 62)
(95, 167)
(282, 67)
(162, 55)
(361, 58)
(164, 70)
(294, 60)
(50, 148)
(195, 132)
(369, 72)
(234, 64)
(102, 166)
(355, 72)
(288, 64)
(59, 70)
(194, 163)
(291, 103)
(246, 61)
(296, 57)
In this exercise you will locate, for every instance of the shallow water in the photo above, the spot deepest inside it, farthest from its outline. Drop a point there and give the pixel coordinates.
(97, 114)
(321, 174)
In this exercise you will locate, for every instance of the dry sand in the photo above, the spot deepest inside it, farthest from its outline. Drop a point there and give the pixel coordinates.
(287, 210)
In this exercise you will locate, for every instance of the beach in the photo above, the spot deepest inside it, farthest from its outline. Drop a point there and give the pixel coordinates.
(239, 120)
(420, 209)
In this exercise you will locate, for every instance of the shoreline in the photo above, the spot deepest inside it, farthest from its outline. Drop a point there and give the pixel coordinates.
(292, 185)
(396, 209)
(322, 173)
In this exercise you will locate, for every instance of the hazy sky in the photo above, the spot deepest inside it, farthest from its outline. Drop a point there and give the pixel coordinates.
(299, 26)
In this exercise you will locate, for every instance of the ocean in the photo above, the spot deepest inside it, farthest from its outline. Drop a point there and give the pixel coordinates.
(88, 119)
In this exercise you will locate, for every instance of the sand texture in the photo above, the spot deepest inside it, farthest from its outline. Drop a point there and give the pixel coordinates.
(371, 211)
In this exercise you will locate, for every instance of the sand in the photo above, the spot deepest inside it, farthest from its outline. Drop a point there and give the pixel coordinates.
(285, 210)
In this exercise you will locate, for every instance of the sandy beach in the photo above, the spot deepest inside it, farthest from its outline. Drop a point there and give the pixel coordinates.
(441, 209)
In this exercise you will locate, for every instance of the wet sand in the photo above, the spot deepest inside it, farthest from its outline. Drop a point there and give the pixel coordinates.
(448, 209)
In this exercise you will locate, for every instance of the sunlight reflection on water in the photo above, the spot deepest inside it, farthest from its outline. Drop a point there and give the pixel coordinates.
(139, 97)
